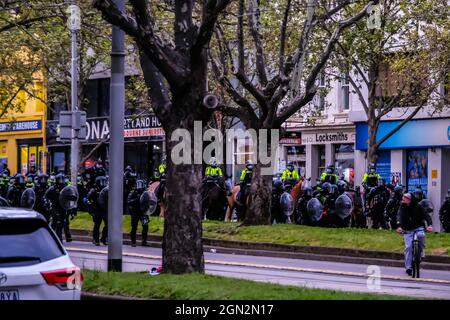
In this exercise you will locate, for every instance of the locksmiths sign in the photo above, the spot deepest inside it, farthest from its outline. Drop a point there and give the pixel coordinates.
(328, 137)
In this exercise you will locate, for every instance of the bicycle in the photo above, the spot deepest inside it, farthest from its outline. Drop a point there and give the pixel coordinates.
(416, 255)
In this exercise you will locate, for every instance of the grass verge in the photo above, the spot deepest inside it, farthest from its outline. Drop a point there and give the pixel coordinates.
(207, 287)
(366, 239)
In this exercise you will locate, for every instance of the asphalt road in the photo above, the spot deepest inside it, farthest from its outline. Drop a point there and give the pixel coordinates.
(296, 272)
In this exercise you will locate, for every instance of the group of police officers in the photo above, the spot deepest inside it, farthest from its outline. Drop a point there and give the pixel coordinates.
(92, 196)
(379, 200)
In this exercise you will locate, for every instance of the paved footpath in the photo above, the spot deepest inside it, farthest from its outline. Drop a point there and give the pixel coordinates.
(296, 272)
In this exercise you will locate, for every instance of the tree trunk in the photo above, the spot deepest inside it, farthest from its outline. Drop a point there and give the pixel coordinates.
(182, 240)
(372, 147)
(258, 210)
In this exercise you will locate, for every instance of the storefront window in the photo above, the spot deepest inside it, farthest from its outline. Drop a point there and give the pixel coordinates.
(29, 156)
(321, 150)
(417, 166)
(297, 155)
(3, 155)
(345, 161)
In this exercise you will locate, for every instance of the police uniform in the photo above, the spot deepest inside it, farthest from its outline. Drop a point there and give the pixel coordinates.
(288, 174)
(57, 212)
(98, 215)
(329, 177)
(134, 208)
(370, 179)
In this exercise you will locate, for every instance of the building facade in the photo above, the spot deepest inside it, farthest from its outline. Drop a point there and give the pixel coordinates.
(22, 132)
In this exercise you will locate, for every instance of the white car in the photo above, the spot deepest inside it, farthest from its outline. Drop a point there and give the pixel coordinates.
(33, 263)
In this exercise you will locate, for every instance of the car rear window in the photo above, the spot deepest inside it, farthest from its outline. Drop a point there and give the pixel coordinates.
(26, 242)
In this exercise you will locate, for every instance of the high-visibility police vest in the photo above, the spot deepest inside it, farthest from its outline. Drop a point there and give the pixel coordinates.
(246, 175)
(330, 178)
(288, 174)
(162, 168)
(213, 171)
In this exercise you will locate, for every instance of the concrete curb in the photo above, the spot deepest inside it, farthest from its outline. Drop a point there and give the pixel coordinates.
(390, 259)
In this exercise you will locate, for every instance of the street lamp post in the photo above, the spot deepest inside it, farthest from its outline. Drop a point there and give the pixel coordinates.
(74, 24)
(117, 110)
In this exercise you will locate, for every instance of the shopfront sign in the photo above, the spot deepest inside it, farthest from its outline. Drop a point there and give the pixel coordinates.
(134, 127)
(326, 137)
(291, 141)
(21, 126)
(414, 134)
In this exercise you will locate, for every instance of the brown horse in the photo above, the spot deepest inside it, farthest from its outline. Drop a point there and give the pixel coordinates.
(233, 203)
(297, 190)
(153, 187)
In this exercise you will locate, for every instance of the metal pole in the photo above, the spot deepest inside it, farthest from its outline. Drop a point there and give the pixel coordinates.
(116, 154)
(74, 150)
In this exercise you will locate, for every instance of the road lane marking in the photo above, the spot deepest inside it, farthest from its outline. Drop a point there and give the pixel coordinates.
(268, 266)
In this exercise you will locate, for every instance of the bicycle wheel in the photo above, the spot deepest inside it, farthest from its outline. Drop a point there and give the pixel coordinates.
(416, 259)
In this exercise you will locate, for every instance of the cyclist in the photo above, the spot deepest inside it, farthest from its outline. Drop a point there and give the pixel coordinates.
(410, 219)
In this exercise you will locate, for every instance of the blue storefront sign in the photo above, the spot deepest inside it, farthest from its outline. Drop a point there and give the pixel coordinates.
(417, 170)
(414, 134)
(15, 126)
(383, 165)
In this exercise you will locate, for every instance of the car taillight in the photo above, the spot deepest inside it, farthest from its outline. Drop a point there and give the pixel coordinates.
(64, 279)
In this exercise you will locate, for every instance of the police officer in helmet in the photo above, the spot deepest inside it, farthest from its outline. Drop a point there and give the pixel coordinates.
(40, 188)
(98, 212)
(58, 214)
(15, 191)
(245, 180)
(134, 208)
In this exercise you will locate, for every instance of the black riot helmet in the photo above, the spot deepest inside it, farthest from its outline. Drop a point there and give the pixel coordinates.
(100, 182)
(330, 169)
(308, 192)
(326, 187)
(418, 193)
(277, 184)
(42, 179)
(398, 191)
(341, 186)
(128, 168)
(60, 179)
(333, 189)
(140, 185)
(372, 169)
(19, 179)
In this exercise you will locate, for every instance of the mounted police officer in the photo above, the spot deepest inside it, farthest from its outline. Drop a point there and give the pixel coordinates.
(15, 191)
(370, 179)
(329, 175)
(58, 214)
(98, 212)
(290, 172)
(245, 181)
(213, 173)
(137, 214)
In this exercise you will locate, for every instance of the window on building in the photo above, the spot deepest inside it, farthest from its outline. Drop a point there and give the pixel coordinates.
(319, 100)
(345, 92)
(393, 84)
(345, 161)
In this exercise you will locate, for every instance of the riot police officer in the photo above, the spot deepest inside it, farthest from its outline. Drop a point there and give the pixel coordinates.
(370, 179)
(4, 184)
(444, 213)
(99, 170)
(40, 188)
(376, 201)
(58, 214)
(129, 182)
(15, 191)
(392, 207)
(302, 212)
(6, 170)
(32, 173)
(98, 212)
(134, 208)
